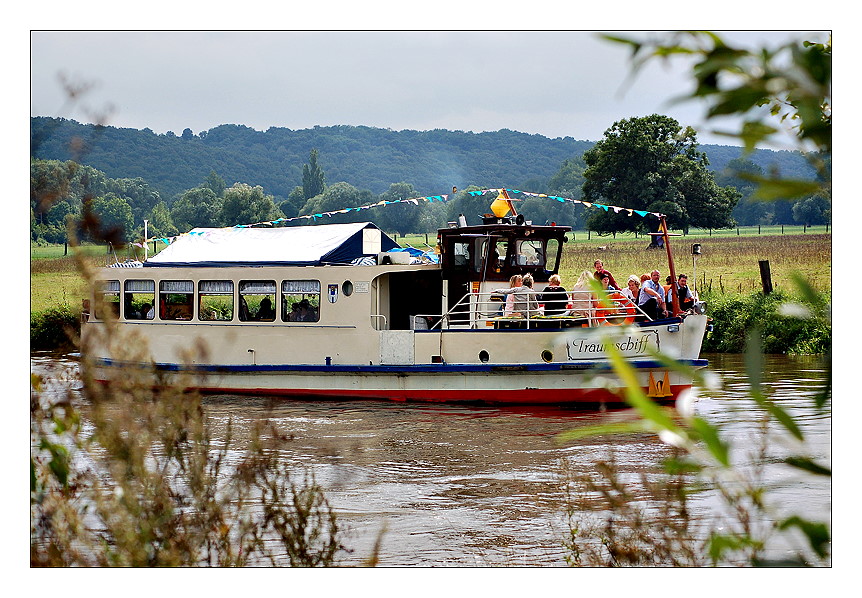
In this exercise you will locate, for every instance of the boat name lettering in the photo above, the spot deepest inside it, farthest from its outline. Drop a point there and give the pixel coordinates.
(629, 345)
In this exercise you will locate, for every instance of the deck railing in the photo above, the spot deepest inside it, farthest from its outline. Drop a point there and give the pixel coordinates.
(582, 309)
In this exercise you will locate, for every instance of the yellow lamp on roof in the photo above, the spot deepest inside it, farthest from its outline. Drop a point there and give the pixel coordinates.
(500, 206)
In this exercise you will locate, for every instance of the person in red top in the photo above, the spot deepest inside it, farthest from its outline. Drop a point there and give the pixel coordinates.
(600, 269)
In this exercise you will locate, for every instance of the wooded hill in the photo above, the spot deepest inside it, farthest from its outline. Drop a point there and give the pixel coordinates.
(367, 158)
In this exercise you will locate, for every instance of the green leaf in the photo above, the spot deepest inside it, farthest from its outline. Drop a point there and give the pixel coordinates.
(602, 430)
(808, 465)
(709, 435)
(816, 532)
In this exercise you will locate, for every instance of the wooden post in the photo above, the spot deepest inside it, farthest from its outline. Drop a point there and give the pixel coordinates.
(765, 276)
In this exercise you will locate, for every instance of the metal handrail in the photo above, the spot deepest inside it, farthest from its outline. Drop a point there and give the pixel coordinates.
(484, 310)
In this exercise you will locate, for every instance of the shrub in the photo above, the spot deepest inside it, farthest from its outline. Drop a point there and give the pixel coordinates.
(54, 328)
(735, 315)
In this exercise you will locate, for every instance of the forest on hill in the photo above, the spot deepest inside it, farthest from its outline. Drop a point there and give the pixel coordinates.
(233, 174)
(367, 158)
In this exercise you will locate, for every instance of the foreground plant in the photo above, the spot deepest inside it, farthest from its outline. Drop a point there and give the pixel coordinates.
(617, 521)
(135, 475)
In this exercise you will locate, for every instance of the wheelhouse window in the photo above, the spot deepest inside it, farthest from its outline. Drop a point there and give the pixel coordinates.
(461, 255)
(257, 300)
(529, 252)
(215, 300)
(108, 299)
(176, 299)
(552, 251)
(139, 299)
(300, 300)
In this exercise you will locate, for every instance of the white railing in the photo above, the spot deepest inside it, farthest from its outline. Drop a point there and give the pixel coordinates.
(582, 309)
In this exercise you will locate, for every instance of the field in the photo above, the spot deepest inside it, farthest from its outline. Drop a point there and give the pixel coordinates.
(728, 263)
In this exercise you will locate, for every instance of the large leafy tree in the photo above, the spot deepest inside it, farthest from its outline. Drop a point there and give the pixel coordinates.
(198, 207)
(651, 163)
(244, 204)
(339, 196)
(402, 218)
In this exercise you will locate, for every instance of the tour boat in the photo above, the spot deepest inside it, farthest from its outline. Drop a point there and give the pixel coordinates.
(340, 311)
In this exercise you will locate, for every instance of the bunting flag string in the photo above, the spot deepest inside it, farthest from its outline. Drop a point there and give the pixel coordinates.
(415, 201)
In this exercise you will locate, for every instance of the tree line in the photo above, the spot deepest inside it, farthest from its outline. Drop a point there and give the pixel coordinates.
(670, 174)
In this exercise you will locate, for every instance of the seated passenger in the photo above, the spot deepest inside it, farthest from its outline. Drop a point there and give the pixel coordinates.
(582, 296)
(514, 282)
(600, 269)
(265, 312)
(651, 298)
(685, 297)
(554, 296)
(524, 299)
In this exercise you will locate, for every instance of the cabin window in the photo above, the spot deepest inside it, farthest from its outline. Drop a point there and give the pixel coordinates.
(257, 300)
(215, 300)
(176, 299)
(529, 252)
(497, 259)
(552, 250)
(300, 300)
(461, 255)
(139, 299)
(108, 299)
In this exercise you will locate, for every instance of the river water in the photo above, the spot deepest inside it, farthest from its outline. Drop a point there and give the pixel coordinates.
(457, 485)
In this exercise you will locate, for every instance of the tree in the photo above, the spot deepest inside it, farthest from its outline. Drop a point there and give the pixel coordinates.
(161, 224)
(115, 219)
(313, 179)
(402, 218)
(198, 207)
(651, 163)
(215, 183)
(815, 209)
(338, 196)
(294, 202)
(244, 204)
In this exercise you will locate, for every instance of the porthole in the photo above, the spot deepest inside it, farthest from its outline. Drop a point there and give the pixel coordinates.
(484, 357)
(347, 288)
(547, 356)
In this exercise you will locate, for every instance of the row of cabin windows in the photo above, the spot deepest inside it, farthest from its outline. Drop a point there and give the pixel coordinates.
(255, 300)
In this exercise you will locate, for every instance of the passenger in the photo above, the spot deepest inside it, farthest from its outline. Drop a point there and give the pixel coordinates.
(633, 289)
(685, 297)
(554, 296)
(514, 282)
(525, 301)
(601, 269)
(147, 312)
(265, 312)
(651, 298)
(582, 295)
(305, 314)
(668, 283)
(600, 300)
(294, 313)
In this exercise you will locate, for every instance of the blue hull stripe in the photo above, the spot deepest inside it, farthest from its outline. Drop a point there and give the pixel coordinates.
(433, 368)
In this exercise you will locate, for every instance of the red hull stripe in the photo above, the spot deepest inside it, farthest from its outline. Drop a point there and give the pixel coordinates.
(512, 397)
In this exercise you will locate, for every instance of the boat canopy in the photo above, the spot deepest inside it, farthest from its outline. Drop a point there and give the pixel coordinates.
(296, 246)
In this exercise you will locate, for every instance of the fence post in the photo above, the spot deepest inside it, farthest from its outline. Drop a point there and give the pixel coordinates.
(765, 276)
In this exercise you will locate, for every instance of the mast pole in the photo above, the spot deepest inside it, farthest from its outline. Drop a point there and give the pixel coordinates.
(673, 290)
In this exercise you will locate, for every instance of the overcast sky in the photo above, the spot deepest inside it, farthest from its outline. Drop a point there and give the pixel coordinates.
(555, 84)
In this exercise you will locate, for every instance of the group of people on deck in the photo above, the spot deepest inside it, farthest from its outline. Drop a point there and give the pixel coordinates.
(645, 292)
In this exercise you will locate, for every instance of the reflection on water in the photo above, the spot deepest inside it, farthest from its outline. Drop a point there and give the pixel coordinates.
(457, 485)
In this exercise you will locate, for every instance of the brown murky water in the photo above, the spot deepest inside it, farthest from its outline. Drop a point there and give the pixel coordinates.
(478, 486)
